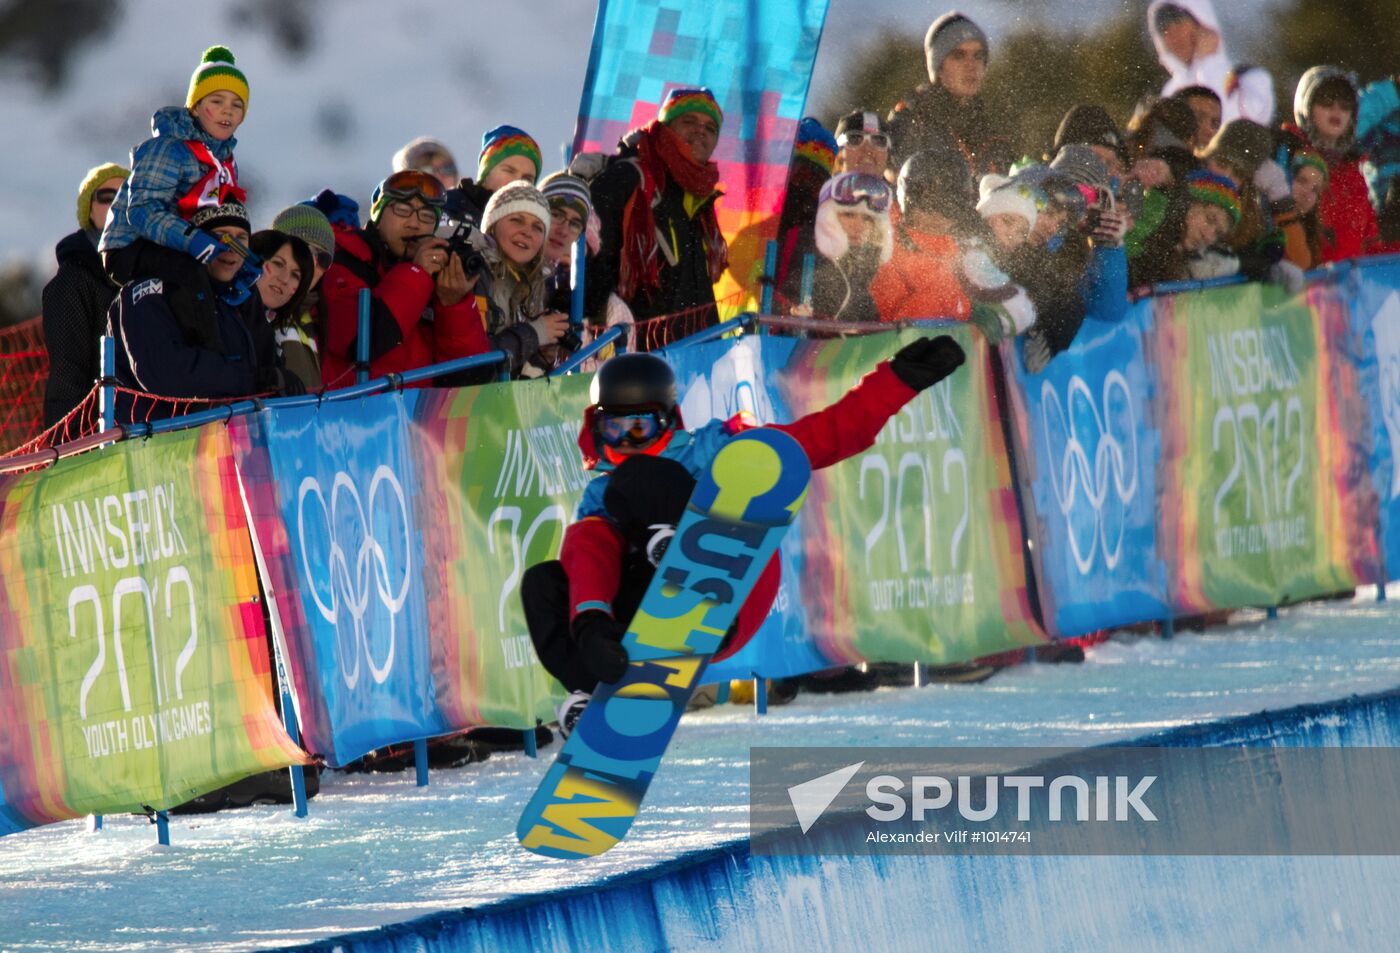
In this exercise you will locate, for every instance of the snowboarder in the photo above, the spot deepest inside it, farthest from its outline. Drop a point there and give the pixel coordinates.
(578, 607)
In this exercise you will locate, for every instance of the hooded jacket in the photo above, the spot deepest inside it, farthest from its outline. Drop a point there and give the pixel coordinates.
(163, 169)
(75, 317)
(1209, 71)
(594, 546)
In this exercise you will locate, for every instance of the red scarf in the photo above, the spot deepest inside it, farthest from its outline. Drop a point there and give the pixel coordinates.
(662, 156)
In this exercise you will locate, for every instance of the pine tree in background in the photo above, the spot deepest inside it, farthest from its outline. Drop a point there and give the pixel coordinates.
(1359, 35)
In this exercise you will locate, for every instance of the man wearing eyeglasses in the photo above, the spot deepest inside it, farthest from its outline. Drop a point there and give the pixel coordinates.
(950, 103)
(421, 309)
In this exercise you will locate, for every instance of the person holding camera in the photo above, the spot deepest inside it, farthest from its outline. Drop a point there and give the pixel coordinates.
(422, 311)
(514, 287)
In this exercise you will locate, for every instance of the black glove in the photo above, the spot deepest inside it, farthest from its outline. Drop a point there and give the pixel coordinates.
(599, 638)
(927, 361)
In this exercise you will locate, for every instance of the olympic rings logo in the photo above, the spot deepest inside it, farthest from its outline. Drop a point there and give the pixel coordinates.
(353, 555)
(1114, 465)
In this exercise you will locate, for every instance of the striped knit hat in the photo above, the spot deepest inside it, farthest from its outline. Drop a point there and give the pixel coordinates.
(215, 72)
(697, 99)
(502, 142)
(1212, 189)
(815, 144)
(1311, 159)
(569, 191)
(95, 177)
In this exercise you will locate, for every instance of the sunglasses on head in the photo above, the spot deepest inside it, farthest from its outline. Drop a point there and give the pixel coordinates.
(877, 139)
(637, 427)
(104, 196)
(324, 259)
(857, 188)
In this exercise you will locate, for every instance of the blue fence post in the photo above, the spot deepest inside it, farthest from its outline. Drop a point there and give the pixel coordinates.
(1272, 612)
(94, 822)
(770, 271)
(162, 828)
(1168, 627)
(362, 340)
(289, 717)
(577, 260)
(107, 358)
(722, 693)
(531, 745)
(1380, 591)
(919, 680)
(420, 761)
(760, 695)
(809, 270)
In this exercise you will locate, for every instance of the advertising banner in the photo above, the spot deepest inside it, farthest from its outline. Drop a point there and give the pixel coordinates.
(133, 656)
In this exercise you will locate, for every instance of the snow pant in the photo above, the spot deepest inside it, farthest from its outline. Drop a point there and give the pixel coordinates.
(186, 282)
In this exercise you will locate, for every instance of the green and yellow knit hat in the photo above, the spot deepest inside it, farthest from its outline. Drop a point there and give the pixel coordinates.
(501, 142)
(1311, 159)
(95, 177)
(698, 99)
(1219, 190)
(215, 72)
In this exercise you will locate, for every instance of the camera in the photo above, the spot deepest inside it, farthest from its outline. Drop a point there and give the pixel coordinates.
(458, 227)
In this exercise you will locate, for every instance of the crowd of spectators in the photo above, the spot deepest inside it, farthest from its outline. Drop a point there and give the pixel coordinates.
(931, 210)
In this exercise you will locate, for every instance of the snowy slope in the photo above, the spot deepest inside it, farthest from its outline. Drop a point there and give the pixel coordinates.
(377, 850)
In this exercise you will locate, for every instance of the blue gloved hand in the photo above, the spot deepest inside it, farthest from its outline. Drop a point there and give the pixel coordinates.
(204, 247)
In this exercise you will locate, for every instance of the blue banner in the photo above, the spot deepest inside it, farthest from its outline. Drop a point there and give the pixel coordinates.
(1372, 293)
(1088, 450)
(347, 491)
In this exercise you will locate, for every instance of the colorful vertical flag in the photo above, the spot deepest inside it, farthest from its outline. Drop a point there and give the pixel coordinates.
(756, 57)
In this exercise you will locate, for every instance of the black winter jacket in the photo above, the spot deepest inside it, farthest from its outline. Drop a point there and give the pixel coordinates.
(75, 317)
(685, 284)
(930, 115)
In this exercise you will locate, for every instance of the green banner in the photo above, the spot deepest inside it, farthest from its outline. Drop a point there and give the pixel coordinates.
(912, 550)
(502, 475)
(1250, 517)
(133, 656)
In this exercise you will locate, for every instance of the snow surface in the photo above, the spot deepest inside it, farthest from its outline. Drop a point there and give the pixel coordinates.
(377, 850)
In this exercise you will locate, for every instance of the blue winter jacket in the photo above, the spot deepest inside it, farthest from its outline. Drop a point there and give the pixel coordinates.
(1378, 137)
(162, 170)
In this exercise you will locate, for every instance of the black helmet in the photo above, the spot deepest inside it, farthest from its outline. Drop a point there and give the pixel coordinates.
(938, 181)
(634, 380)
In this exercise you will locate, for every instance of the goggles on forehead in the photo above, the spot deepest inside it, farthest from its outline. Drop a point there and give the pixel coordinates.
(414, 184)
(877, 139)
(637, 427)
(856, 188)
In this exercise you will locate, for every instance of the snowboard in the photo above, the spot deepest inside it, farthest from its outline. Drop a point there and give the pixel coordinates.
(737, 514)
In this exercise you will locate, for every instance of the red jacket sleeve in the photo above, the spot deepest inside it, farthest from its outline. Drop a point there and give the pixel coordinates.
(458, 330)
(851, 425)
(592, 557)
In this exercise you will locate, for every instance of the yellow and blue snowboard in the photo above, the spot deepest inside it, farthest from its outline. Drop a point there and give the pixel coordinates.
(731, 528)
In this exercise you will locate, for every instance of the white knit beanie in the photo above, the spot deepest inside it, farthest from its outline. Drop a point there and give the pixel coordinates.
(1001, 195)
(517, 196)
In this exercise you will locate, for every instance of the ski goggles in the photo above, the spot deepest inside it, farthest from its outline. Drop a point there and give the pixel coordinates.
(856, 188)
(409, 184)
(637, 427)
(854, 139)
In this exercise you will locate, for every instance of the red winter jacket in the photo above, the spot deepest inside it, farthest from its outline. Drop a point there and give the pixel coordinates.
(1345, 209)
(921, 279)
(401, 340)
(593, 547)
